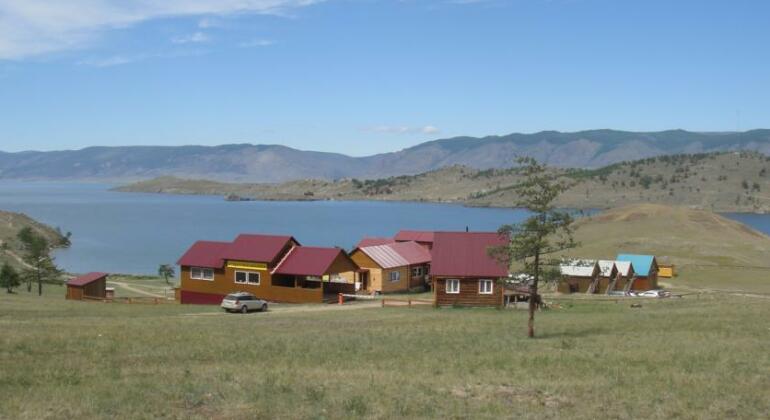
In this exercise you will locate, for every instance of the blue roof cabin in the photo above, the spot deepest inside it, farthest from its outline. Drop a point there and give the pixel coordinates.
(645, 271)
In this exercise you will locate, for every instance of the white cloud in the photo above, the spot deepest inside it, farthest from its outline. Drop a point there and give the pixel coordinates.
(115, 60)
(195, 38)
(403, 129)
(256, 43)
(120, 59)
(36, 27)
(429, 129)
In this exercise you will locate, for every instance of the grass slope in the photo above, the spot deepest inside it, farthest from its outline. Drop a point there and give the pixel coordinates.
(688, 358)
(709, 250)
(10, 224)
(718, 181)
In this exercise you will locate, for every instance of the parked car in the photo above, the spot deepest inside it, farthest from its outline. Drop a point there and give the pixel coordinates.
(654, 293)
(243, 302)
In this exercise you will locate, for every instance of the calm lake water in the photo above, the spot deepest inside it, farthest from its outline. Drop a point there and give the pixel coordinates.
(133, 233)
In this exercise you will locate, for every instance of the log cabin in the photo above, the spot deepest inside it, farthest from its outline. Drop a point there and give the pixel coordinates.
(645, 271)
(577, 275)
(272, 267)
(625, 272)
(463, 273)
(607, 272)
(91, 285)
(392, 267)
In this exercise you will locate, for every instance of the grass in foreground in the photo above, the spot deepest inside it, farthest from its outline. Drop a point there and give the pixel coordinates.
(703, 358)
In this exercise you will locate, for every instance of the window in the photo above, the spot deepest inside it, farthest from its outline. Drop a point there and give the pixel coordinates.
(453, 286)
(395, 276)
(485, 287)
(197, 273)
(247, 277)
(416, 271)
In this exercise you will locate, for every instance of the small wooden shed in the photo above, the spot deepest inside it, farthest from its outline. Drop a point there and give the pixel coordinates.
(88, 285)
(577, 276)
(666, 270)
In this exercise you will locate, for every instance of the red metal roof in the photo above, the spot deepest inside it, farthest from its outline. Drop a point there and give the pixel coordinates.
(373, 241)
(464, 254)
(308, 261)
(257, 248)
(415, 235)
(208, 254)
(398, 254)
(86, 279)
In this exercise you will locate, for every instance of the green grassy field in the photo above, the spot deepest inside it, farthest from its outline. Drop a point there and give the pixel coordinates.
(675, 358)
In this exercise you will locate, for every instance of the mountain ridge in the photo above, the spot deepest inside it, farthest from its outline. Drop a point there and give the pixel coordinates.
(278, 163)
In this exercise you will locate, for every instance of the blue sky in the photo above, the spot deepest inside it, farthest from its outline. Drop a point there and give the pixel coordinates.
(368, 76)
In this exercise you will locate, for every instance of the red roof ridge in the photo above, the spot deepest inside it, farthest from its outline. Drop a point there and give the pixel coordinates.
(310, 260)
(277, 266)
(87, 278)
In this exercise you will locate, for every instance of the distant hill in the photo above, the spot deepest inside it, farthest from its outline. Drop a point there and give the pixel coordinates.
(11, 250)
(273, 163)
(726, 181)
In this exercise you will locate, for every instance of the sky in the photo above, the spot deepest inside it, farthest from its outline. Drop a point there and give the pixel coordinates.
(367, 76)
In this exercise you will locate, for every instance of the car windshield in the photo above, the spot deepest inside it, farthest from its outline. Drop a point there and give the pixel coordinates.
(231, 297)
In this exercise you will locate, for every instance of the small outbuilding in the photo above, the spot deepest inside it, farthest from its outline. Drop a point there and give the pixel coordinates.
(607, 272)
(625, 272)
(577, 276)
(645, 271)
(666, 270)
(91, 285)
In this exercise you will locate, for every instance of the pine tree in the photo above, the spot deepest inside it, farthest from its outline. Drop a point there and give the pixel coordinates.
(546, 232)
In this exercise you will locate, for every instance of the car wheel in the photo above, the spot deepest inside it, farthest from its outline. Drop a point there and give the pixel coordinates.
(244, 309)
(264, 307)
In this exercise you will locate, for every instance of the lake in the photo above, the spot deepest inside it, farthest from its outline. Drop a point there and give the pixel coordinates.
(133, 232)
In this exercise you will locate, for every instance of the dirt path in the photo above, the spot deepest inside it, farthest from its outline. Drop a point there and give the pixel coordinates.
(16, 257)
(135, 290)
(287, 308)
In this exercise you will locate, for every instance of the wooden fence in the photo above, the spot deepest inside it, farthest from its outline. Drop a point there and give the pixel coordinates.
(407, 302)
(130, 300)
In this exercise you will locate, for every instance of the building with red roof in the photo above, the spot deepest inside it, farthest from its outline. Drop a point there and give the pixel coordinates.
(372, 241)
(422, 237)
(462, 271)
(272, 267)
(393, 267)
(91, 285)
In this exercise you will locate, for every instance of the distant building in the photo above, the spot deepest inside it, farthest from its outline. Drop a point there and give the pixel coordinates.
(608, 271)
(462, 271)
(625, 272)
(645, 271)
(272, 267)
(392, 267)
(91, 285)
(577, 276)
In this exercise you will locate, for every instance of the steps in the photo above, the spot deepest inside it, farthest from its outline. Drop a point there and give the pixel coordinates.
(629, 284)
(592, 287)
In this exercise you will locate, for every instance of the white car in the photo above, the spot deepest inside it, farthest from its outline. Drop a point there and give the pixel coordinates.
(243, 302)
(654, 293)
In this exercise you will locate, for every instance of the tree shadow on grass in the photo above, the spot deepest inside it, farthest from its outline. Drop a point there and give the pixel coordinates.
(572, 333)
